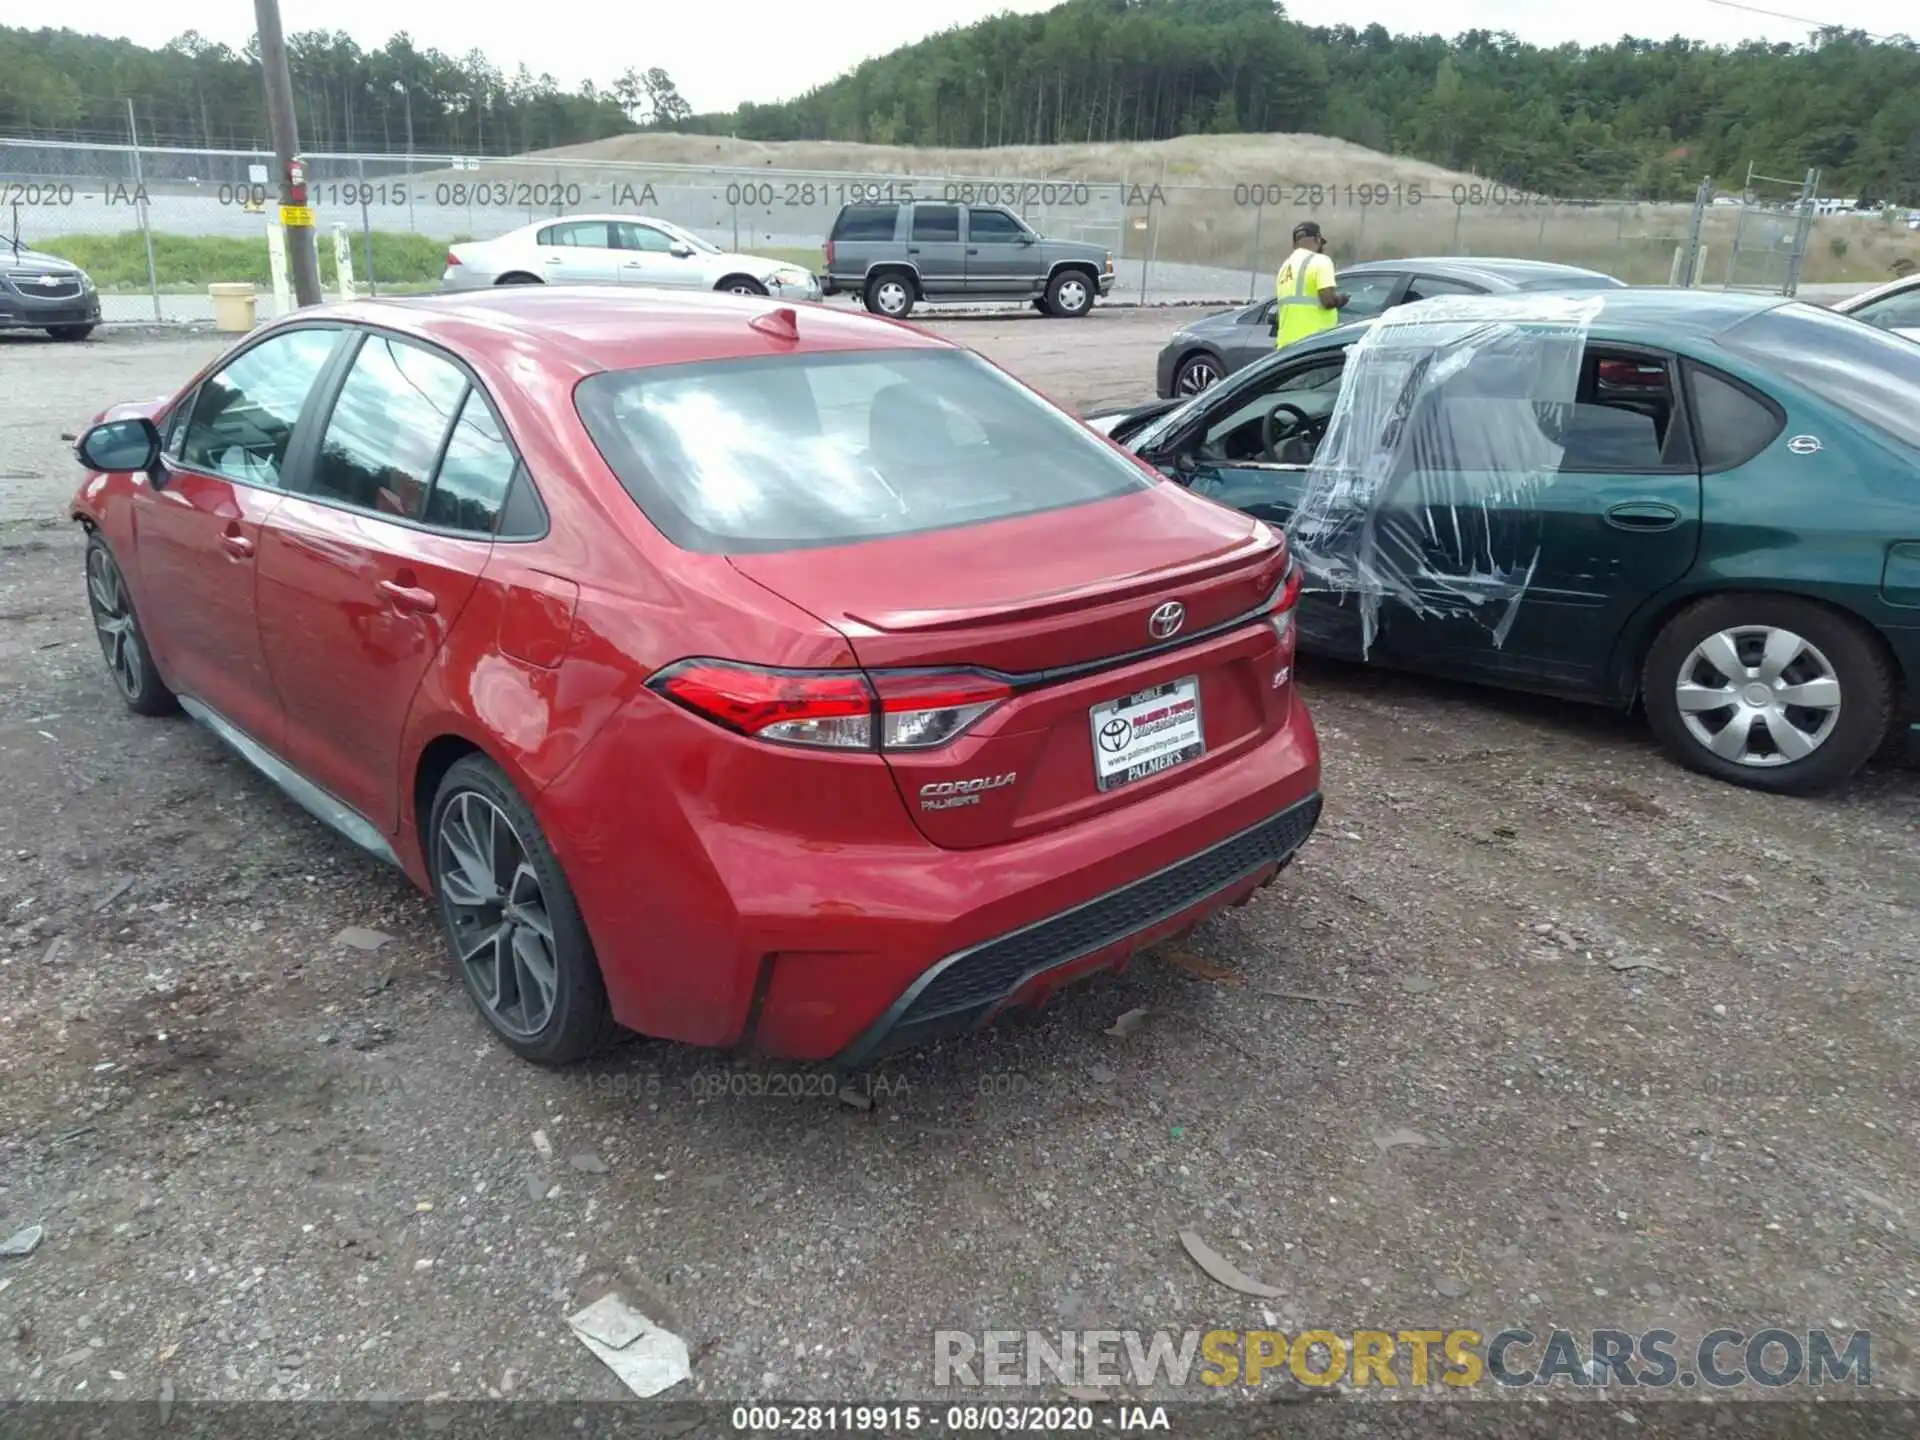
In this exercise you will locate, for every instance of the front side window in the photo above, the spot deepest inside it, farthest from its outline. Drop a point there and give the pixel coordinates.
(643, 237)
(384, 436)
(994, 227)
(1278, 422)
(1368, 295)
(784, 453)
(243, 416)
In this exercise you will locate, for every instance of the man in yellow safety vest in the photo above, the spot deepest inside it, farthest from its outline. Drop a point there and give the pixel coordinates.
(1307, 300)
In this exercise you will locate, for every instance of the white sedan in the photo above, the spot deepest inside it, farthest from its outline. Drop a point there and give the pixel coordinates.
(1894, 306)
(619, 250)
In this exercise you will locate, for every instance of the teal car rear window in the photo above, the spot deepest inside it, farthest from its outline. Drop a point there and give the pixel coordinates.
(1870, 374)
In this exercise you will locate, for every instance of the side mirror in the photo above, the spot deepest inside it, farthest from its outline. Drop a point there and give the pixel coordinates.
(680, 250)
(1026, 239)
(120, 445)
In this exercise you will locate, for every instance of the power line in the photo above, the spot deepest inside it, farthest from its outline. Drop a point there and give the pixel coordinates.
(1797, 19)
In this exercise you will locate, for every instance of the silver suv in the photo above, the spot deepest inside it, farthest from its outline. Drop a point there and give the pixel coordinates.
(897, 255)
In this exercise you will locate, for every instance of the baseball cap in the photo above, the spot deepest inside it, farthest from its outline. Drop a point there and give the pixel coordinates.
(1308, 230)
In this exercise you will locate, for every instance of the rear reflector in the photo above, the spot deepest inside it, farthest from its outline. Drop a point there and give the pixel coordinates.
(833, 709)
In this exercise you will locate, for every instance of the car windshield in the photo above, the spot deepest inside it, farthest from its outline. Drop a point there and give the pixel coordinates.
(1870, 374)
(789, 452)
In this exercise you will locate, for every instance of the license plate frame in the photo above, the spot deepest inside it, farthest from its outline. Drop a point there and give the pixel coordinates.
(1112, 774)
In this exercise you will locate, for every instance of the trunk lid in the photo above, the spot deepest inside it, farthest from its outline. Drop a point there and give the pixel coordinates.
(1061, 603)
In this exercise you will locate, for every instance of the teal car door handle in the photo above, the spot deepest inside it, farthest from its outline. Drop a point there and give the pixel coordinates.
(1643, 515)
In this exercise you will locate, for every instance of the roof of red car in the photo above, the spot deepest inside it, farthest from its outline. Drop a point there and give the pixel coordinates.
(604, 328)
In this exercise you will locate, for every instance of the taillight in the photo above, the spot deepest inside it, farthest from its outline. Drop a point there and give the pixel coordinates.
(1280, 607)
(829, 254)
(452, 259)
(834, 709)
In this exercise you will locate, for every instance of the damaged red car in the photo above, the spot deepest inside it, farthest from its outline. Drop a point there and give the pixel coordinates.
(739, 675)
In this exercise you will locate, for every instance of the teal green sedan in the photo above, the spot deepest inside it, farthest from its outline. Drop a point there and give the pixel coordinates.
(1708, 504)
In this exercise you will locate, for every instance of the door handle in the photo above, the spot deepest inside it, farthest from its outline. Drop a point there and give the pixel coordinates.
(238, 545)
(630, 264)
(1643, 515)
(552, 260)
(971, 250)
(913, 249)
(410, 598)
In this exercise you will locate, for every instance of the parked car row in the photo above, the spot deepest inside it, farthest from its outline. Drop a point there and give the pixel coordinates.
(717, 665)
(893, 256)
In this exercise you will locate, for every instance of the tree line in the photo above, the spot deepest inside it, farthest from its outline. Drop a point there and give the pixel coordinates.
(192, 92)
(1639, 117)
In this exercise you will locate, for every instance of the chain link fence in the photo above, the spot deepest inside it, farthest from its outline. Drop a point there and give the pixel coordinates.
(155, 226)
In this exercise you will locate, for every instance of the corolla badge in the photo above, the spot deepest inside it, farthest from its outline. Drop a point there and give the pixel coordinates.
(1804, 444)
(1166, 621)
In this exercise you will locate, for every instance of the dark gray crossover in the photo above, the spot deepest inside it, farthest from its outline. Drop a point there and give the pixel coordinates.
(897, 255)
(1205, 352)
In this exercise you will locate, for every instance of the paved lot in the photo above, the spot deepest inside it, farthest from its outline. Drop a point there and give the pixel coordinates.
(1540, 1029)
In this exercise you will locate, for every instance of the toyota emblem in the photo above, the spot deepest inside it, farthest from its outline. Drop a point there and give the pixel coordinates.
(1115, 734)
(1166, 621)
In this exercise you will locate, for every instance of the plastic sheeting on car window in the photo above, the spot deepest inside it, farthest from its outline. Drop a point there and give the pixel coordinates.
(1424, 491)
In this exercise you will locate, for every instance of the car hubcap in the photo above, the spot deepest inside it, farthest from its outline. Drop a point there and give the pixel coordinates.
(1758, 695)
(893, 297)
(1198, 375)
(502, 933)
(1073, 295)
(744, 290)
(113, 621)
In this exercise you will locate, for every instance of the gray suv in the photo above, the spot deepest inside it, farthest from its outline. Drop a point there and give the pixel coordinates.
(894, 256)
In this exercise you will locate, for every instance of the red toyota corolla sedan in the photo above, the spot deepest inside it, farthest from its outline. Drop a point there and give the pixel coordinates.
(747, 676)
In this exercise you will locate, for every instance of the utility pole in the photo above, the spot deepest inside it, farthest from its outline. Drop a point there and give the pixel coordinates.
(296, 216)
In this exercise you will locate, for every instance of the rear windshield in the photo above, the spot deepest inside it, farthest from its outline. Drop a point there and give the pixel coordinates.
(1870, 374)
(794, 451)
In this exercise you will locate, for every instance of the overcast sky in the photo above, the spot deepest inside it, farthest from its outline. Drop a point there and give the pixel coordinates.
(721, 52)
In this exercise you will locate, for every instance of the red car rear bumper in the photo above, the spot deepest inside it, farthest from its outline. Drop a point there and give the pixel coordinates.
(735, 935)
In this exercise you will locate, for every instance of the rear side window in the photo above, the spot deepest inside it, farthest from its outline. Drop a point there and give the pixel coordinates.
(475, 473)
(790, 452)
(1733, 424)
(587, 234)
(936, 222)
(384, 436)
(993, 226)
(1868, 373)
(865, 222)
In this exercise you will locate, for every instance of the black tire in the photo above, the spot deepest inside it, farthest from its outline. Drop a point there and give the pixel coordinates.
(741, 285)
(578, 1020)
(1198, 372)
(892, 293)
(1842, 650)
(123, 644)
(519, 277)
(70, 332)
(1070, 294)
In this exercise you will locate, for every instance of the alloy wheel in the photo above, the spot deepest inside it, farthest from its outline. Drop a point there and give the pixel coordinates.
(892, 297)
(1073, 296)
(502, 933)
(113, 623)
(1195, 376)
(1758, 695)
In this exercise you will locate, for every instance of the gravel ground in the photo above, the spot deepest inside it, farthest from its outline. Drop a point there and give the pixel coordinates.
(1540, 1029)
